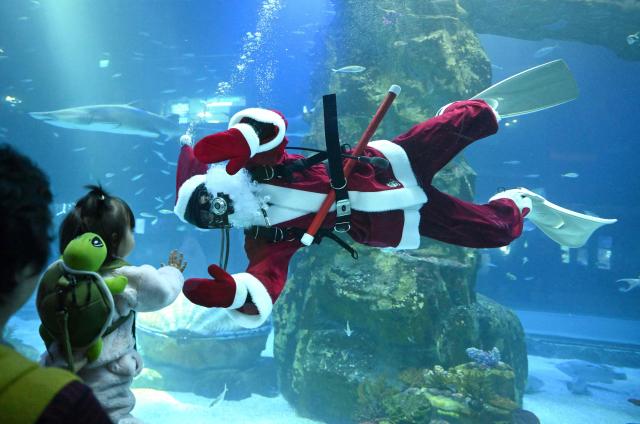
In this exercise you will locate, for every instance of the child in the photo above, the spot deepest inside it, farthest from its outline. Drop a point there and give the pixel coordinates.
(148, 289)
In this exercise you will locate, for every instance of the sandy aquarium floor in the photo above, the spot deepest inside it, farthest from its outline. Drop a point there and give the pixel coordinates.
(553, 404)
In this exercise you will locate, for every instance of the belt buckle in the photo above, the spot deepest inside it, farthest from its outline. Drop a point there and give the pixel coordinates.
(343, 207)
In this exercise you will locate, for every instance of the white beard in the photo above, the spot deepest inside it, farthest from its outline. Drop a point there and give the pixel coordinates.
(243, 192)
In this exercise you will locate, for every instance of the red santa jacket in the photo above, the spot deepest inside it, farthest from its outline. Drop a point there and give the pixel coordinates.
(385, 207)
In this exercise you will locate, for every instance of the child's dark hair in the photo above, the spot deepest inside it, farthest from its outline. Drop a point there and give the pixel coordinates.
(25, 218)
(98, 212)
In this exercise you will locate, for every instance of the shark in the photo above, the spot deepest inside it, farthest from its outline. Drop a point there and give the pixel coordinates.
(114, 119)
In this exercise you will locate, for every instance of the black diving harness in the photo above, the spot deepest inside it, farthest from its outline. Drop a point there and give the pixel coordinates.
(334, 155)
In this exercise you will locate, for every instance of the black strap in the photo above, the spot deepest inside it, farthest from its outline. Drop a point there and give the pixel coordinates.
(276, 234)
(336, 172)
(117, 323)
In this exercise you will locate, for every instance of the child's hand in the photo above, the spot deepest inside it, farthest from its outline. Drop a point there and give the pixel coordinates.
(176, 260)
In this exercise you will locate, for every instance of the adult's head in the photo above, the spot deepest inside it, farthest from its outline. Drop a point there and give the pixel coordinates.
(108, 216)
(25, 220)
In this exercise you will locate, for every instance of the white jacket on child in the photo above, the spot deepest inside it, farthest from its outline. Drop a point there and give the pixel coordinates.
(110, 376)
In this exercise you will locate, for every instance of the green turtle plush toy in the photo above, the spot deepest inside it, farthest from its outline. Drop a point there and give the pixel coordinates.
(75, 303)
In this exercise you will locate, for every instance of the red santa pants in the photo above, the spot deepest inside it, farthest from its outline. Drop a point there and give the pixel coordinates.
(429, 147)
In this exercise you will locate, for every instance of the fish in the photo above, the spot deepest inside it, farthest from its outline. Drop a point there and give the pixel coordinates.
(528, 226)
(80, 149)
(511, 162)
(126, 168)
(510, 276)
(587, 372)
(165, 211)
(633, 38)
(165, 172)
(139, 192)
(103, 63)
(631, 283)
(147, 215)
(116, 75)
(137, 177)
(524, 260)
(168, 196)
(155, 221)
(532, 176)
(12, 100)
(113, 119)
(570, 175)
(159, 199)
(160, 155)
(545, 51)
(348, 331)
(169, 91)
(220, 397)
(485, 263)
(636, 402)
(352, 69)
(109, 175)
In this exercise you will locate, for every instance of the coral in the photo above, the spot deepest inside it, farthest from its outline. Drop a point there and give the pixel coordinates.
(441, 379)
(484, 359)
(371, 396)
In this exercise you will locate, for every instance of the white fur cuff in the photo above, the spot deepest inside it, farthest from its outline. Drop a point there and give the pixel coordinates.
(250, 136)
(241, 294)
(260, 298)
(262, 115)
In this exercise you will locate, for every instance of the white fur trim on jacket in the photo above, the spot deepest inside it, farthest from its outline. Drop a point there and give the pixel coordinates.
(260, 298)
(184, 194)
(266, 116)
(399, 161)
(250, 136)
(410, 229)
(492, 105)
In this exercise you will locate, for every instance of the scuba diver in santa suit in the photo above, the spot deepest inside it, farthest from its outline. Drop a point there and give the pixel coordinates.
(391, 207)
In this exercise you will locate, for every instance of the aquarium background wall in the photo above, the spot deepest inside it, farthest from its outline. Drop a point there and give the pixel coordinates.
(205, 60)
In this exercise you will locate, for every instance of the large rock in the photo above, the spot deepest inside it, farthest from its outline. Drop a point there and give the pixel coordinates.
(339, 323)
(606, 23)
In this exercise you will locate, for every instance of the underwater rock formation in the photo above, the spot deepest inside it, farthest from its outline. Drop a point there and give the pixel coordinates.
(342, 323)
(606, 23)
